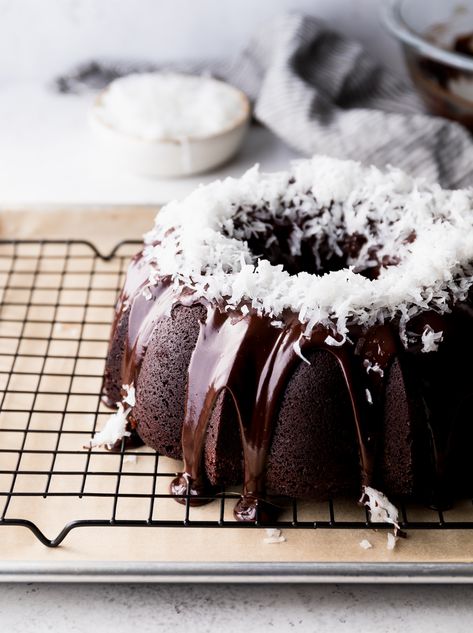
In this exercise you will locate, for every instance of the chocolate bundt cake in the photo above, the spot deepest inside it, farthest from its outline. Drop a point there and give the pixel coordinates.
(306, 333)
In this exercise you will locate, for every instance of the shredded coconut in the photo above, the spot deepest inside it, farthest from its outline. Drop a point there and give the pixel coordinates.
(114, 429)
(380, 508)
(375, 368)
(369, 397)
(160, 106)
(297, 349)
(273, 535)
(365, 544)
(130, 395)
(330, 340)
(116, 426)
(391, 542)
(147, 294)
(202, 242)
(431, 339)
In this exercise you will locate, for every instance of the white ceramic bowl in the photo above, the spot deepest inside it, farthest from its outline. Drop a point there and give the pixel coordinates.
(169, 157)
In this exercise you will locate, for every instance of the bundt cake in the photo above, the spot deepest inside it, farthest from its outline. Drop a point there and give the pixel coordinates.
(306, 333)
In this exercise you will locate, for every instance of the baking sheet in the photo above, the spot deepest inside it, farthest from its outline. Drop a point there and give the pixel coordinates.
(119, 553)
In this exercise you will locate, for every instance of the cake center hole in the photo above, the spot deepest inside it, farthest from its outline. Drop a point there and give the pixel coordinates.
(304, 239)
(314, 256)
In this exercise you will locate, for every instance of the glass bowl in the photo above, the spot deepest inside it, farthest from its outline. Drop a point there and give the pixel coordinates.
(437, 40)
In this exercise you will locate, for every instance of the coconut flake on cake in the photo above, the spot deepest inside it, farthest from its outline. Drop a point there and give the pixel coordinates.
(147, 294)
(201, 242)
(382, 511)
(114, 430)
(380, 508)
(431, 339)
(116, 426)
(130, 395)
(297, 349)
(373, 367)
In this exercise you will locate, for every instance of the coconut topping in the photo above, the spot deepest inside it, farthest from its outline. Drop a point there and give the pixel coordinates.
(373, 367)
(116, 427)
(392, 539)
(170, 106)
(147, 294)
(369, 234)
(114, 430)
(130, 395)
(297, 349)
(381, 511)
(431, 339)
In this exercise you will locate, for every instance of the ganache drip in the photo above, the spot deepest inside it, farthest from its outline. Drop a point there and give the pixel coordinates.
(252, 360)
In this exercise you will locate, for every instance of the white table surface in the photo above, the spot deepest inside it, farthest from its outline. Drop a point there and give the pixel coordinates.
(48, 154)
(235, 608)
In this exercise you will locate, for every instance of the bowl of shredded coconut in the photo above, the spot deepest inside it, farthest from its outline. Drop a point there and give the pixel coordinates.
(164, 124)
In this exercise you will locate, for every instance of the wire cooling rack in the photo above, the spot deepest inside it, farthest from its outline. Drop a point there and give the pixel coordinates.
(56, 307)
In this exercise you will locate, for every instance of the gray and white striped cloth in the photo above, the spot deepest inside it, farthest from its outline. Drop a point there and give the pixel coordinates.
(320, 92)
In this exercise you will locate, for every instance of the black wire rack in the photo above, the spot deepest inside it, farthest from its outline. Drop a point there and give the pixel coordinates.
(56, 307)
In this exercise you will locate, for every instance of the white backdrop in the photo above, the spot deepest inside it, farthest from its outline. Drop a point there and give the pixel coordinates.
(44, 137)
(41, 38)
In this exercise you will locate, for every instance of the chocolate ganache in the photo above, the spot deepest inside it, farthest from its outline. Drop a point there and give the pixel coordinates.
(332, 267)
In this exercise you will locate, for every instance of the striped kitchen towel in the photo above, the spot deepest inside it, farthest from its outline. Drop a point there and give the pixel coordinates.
(320, 92)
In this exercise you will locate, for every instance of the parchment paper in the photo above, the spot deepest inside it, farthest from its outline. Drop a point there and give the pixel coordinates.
(105, 227)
